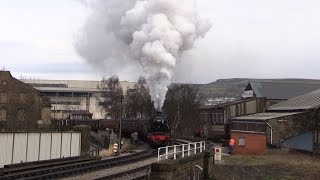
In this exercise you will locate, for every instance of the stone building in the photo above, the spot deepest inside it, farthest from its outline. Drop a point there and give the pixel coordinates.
(22, 108)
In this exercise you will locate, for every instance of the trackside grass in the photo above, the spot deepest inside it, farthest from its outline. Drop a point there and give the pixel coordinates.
(277, 164)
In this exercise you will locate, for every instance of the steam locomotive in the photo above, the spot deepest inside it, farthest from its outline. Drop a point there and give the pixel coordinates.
(156, 130)
(159, 131)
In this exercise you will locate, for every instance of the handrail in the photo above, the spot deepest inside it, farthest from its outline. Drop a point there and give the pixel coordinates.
(183, 149)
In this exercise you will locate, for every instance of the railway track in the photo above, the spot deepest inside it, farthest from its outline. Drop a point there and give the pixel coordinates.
(54, 170)
(136, 173)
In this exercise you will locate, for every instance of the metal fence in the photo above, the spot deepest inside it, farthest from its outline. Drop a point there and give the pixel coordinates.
(28, 147)
(175, 151)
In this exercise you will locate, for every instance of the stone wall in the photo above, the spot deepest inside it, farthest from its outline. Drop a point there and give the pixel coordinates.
(287, 126)
(184, 168)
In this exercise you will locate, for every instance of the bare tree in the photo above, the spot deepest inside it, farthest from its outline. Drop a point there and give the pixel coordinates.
(181, 107)
(111, 96)
(138, 101)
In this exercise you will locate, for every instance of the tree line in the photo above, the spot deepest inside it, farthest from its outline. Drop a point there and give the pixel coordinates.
(180, 107)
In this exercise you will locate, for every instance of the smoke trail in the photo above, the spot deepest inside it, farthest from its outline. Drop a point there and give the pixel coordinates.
(151, 33)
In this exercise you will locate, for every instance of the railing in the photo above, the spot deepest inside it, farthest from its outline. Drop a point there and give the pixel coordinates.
(172, 152)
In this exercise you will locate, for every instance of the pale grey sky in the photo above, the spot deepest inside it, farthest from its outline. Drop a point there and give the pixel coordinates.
(249, 38)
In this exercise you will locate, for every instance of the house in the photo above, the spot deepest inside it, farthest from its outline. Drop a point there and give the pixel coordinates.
(22, 108)
(284, 124)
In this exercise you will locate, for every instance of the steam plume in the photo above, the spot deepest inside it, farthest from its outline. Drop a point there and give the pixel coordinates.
(148, 33)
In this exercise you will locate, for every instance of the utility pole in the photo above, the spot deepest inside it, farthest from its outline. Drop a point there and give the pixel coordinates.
(121, 98)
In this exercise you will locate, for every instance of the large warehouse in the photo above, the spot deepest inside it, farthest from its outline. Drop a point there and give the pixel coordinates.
(72, 96)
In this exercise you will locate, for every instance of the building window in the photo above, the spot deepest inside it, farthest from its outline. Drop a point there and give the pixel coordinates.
(21, 115)
(3, 115)
(217, 118)
(4, 82)
(3, 97)
(22, 98)
(242, 141)
(256, 127)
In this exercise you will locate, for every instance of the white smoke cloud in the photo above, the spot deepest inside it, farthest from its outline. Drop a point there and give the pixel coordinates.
(149, 33)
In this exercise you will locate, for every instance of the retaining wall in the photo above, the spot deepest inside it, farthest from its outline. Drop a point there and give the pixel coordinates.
(184, 168)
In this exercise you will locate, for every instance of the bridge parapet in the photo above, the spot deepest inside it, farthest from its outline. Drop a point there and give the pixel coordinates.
(197, 166)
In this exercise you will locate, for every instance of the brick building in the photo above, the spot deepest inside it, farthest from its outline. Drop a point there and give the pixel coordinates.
(253, 132)
(22, 108)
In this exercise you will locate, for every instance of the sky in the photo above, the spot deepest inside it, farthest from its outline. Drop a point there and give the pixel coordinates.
(248, 39)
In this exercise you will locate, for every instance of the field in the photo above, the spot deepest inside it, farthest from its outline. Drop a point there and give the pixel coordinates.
(277, 164)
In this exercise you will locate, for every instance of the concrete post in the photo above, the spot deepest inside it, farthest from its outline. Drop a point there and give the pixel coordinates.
(85, 138)
(208, 161)
(163, 170)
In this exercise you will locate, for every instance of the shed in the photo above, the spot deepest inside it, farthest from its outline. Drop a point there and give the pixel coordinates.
(253, 132)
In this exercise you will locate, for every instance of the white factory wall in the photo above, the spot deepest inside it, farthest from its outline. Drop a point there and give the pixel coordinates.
(77, 85)
(27, 147)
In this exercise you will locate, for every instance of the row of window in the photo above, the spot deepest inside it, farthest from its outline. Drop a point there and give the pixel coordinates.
(4, 97)
(65, 103)
(249, 126)
(214, 118)
(67, 94)
(20, 115)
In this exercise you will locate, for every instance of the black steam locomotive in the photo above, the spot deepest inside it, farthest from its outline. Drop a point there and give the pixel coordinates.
(159, 133)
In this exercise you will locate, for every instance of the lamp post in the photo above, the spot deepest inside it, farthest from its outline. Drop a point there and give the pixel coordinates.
(121, 98)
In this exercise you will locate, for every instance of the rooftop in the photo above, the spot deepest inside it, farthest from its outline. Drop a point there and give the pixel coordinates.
(307, 101)
(80, 86)
(228, 103)
(264, 116)
(284, 89)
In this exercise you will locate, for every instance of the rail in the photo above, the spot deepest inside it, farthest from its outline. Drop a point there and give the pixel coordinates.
(181, 150)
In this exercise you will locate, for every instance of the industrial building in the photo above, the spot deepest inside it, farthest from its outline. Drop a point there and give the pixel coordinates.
(22, 108)
(71, 98)
(216, 117)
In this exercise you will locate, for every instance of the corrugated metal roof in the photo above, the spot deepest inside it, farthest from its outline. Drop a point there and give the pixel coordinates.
(303, 102)
(73, 85)
(229, 103)
(264, 116)
(283, 90)
(61, 89)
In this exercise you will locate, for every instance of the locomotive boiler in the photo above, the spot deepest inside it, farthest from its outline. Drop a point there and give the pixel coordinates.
(159, 133)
